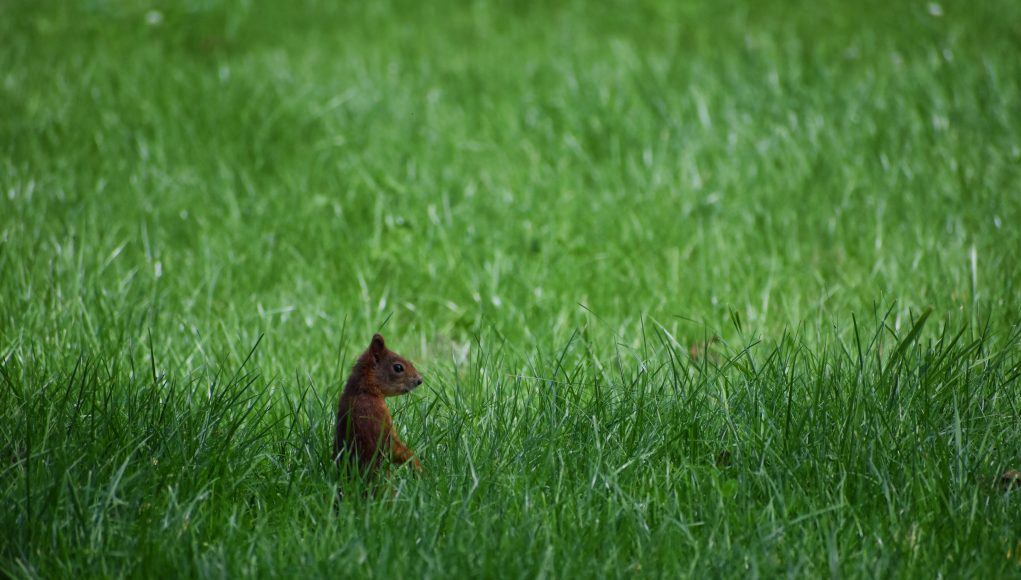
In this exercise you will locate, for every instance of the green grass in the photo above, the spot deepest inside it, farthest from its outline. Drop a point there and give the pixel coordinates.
(207, 208)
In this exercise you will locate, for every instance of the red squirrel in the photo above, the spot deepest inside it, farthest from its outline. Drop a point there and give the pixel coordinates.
(365, 432)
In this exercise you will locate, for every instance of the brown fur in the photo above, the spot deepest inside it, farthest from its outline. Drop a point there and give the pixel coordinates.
(365, 436)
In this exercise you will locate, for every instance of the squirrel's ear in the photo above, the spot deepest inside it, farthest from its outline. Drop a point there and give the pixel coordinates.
(377, 347)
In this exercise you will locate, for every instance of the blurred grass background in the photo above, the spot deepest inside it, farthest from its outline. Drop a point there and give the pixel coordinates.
(514, 189)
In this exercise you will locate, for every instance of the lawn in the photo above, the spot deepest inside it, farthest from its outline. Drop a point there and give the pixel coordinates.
(697, 288)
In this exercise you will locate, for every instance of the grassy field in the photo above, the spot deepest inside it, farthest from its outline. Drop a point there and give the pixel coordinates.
(208, 207)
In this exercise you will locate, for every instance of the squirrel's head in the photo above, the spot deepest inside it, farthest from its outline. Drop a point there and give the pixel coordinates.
(391, 373)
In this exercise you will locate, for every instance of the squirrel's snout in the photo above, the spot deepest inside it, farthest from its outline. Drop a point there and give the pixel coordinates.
(418, 382)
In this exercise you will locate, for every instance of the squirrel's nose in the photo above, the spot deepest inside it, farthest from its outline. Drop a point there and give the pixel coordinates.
(418, 381)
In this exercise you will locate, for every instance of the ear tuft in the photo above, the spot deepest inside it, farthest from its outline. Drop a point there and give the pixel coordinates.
(378, 346)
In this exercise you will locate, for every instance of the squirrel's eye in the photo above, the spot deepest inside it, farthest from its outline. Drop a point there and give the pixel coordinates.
(398, 368)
